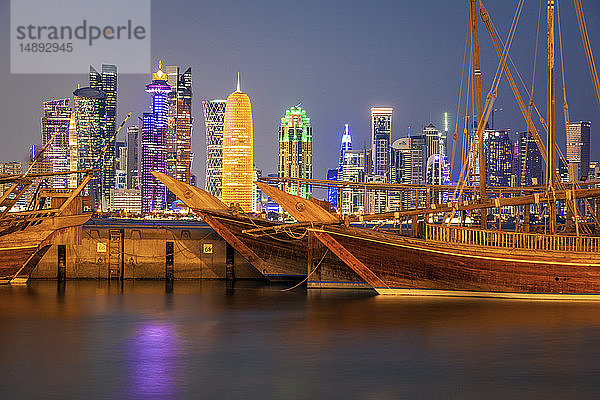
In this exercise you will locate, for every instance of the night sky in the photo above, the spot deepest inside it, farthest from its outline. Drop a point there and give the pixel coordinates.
(339, 58)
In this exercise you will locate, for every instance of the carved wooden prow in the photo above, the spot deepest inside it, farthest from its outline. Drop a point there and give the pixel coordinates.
(303, 210)
(192, 196)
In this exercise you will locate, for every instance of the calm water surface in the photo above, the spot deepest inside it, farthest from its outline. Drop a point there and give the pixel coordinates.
(92, 340)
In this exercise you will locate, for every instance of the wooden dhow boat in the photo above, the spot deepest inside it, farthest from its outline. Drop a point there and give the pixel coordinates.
(446, 260)
(27, 235)
(280, 254)
(458, 261)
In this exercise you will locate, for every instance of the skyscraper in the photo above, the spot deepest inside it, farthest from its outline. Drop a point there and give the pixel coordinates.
(9, 168)
(295, 151)
(153, 146)
(55, 123)
(179, 135)
(89, 110)
(381, 134)
(444, 135)
(238, 150)
(530, 164)
(578, 148)
(133, 153)
(106, 81)
(333, 192)
(214, 117)
(346, 144)
(498, 157)
(432, 142)
(73, 151)
(353, 170)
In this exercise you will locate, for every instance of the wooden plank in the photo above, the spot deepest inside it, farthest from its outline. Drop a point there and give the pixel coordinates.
(233, 240)
(357, 266)
(302, 210)
(193, 197)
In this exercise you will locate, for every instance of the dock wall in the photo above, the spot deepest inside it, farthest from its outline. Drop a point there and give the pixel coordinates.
(127, 249)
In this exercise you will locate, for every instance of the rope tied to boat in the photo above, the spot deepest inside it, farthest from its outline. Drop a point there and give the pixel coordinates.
(307, 276)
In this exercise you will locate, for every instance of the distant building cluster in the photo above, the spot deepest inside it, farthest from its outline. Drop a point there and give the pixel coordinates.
(80, 134)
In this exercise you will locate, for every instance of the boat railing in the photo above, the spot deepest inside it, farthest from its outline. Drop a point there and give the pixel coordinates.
(515, 240)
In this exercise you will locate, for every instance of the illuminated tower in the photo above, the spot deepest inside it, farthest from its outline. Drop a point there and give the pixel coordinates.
(578, 148)
(153, 143)
(55, 124)
(179, 136)
(237, 150)
(106, 81)
(346, 145)
(333, 193)
(214, 117)
(381, 133)
(295, 151)
(89, 111)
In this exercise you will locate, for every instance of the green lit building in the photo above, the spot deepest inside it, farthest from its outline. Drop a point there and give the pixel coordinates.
(295, 151)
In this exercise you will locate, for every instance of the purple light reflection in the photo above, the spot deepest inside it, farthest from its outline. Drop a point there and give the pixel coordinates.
(153, 361)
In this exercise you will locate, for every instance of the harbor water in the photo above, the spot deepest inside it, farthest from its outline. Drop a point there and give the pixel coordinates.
(214, 340)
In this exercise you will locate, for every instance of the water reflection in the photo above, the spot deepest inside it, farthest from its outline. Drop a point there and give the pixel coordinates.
(153, 361)
(249, 340)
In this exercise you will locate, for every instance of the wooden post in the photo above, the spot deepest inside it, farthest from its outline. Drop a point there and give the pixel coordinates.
(169, 256)
(597, 210)
(526, 222)
(62, 262)
(551, 140)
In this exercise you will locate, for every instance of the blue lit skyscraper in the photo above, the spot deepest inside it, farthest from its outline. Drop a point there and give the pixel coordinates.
(333, 194)
(346, 145)
(153, 143)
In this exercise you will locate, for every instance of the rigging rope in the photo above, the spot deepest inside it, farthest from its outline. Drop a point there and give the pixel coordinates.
(307, 276)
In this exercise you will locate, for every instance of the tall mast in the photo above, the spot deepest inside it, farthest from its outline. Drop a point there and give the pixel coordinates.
(479, 106)
(551, 142)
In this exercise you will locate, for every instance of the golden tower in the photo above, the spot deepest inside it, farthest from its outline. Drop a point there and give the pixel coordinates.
(238, 150)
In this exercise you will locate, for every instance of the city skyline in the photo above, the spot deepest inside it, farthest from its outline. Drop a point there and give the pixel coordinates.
(333, 92)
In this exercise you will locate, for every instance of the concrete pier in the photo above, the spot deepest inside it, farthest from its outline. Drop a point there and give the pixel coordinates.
(142, 249)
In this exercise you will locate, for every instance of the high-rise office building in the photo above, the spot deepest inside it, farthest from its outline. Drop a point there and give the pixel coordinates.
(73, 151)
(381, 134)
(238, 150)
(432, 143)
(498, 157)
(438, 170)
(444, 134)
(106, 81)
(179, 135)
(295, 151)
(89, 104)
(55, 122)
(333, 192)
(377, 199)
(120, 165)
(214, 117)
(529, 167)
(256, 192)
(153, 146)
(353, 170)
(402, 160)
(578, 148)
(346, 144)
(133, 153)
(9, 168)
